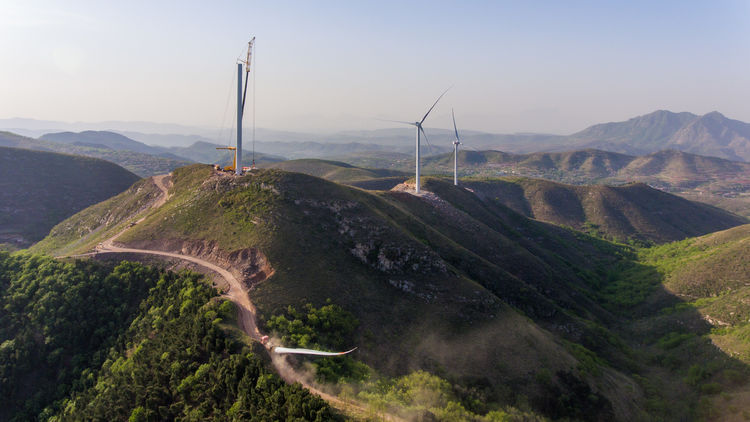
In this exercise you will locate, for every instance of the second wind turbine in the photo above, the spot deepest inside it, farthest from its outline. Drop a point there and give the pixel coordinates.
(418, 125)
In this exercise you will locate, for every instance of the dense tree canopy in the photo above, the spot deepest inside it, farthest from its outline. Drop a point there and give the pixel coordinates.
(83, 341)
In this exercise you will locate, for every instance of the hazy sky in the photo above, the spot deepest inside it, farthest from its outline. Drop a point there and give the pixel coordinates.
(534, 66)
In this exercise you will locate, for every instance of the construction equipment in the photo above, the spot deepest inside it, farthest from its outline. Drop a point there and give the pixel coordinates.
(236, 166)
(248, 64)
(233, 167)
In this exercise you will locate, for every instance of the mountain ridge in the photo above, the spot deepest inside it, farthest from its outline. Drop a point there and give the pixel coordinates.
(139, 163)
(711, 134)
(38, 189)
(389, 254)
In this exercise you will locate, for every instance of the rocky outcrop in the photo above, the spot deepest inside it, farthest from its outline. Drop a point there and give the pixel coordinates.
(376, 244)
(249, 265)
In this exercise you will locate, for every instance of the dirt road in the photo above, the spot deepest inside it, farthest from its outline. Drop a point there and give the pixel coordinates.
(237, 294)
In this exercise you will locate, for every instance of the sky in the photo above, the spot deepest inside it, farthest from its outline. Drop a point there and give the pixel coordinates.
(326, 66)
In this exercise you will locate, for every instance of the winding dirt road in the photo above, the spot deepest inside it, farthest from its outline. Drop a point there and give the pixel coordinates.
(237, 294)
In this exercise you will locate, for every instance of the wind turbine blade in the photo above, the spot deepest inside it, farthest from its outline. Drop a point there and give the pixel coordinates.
(286, 350)
(398, 121)
(433, 106)
(425, 138)
(454, 125)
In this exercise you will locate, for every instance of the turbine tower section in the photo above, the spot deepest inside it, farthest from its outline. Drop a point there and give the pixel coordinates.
(241, 95)
(456, 143)
(416, 187)
(238, 152)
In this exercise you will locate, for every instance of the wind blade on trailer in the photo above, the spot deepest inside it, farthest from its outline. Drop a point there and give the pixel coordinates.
(286, 350)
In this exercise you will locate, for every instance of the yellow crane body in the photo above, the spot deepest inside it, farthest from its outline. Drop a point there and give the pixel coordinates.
(234, 161)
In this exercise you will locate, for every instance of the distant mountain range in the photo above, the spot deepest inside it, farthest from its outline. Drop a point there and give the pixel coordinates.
(712, 180)
(670, 168)
(711, 134)
(106, 139)
(142, 164)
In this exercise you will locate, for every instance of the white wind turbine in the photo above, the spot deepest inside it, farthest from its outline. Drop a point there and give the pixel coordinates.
(418, 125)
(456, 143)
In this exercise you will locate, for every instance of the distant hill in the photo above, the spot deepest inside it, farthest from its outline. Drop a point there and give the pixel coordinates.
(671, 168)
(584, 166)
(139, 163)
(714, 135)
(629, 212)
(711, 134)
(639, 135)
(40, 189)
(712, 180)
(682, 169)
(108, 139)
(294, 150)
(377, 159)
(206, 152)
(336, 171)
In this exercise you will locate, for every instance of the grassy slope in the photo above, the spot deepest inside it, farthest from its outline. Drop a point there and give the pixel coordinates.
(40, 189)
(81, 232)
(633, 211)
(705, 335)
(389, 251)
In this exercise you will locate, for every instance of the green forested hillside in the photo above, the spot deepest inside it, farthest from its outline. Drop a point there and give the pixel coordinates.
(39, 189)
(83, 341)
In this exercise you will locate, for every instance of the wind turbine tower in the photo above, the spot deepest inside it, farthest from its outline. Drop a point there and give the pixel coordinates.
(418, 125)
(241, 103)
(456, 143)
